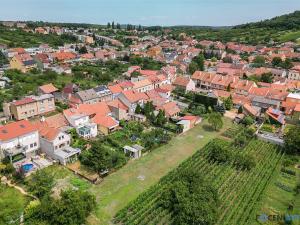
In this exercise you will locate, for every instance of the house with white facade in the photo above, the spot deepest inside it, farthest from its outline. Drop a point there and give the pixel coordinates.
(56, 144)
(20, 137)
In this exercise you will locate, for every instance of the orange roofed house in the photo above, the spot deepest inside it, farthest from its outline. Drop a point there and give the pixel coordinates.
(23, 62)
(184, 83)
(188, 122)
(56, 143)
(63, 56)
(203, 79)
(20, 137)
(171, 109)
(131, 99)
(88, 116)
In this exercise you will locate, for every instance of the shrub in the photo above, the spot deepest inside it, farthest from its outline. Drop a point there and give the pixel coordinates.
(284, 187)
(244, 162)
(219, 153)
(288, 171)
(191, 199)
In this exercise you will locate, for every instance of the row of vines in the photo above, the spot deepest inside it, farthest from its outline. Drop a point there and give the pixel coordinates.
(239, 190)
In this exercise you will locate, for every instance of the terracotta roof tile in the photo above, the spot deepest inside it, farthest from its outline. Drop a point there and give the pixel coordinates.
(16, 129)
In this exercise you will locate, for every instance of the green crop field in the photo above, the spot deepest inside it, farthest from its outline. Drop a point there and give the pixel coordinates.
(239, 191)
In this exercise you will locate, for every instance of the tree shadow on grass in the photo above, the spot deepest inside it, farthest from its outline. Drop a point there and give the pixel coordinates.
(208, 128)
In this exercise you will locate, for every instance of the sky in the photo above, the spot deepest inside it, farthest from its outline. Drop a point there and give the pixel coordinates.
(147, 12)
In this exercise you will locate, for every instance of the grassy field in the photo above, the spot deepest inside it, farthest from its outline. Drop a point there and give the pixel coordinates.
(12, 204)
(118, 189)
(290, 36)
(277, 201)
(239, 190)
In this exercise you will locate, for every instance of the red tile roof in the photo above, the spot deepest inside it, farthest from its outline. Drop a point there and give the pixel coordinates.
(100, 108)
(250, 110)
(170, 108)
(133, 96)
(48, 88)
(148, 72)
(115, 89)
(190, 118)
(16, 129)
(23, 101)
(56, 121)
(64, 56)
(181, 81)
(117, 104)
(297, 108)
(23, 57)
(105, 121)
(259, 91)
(46, 132)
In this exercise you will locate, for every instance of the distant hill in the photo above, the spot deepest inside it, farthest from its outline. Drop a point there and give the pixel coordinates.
(284, 22)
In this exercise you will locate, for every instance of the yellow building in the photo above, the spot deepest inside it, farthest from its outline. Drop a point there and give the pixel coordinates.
(22, 62)
(89, 40)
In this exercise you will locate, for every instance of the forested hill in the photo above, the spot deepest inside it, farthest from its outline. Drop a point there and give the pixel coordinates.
(284, 22)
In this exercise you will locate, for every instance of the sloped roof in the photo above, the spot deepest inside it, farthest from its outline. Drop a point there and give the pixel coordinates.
(16, 129)
(100, 108)
(87, 95)
(105, 121)
(48, 88)
(46, 132)
(170, 108)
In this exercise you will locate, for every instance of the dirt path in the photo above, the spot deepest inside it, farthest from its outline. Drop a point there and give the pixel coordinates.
(20, 189)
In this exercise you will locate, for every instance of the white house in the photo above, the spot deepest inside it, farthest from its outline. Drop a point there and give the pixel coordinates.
(84, 127)
(56, 144)
(20, 137)
(294, 75)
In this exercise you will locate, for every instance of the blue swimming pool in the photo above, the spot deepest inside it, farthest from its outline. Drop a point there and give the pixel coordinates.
(27, 167)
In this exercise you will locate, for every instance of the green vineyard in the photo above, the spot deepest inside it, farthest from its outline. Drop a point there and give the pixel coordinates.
(239, 190)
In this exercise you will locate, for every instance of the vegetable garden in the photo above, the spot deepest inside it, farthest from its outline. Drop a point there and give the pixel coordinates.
(239, 190)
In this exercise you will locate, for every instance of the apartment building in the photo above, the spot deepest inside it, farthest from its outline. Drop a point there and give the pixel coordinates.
(29, 107)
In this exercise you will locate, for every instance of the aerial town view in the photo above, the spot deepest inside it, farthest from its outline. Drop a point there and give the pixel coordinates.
(138, 112)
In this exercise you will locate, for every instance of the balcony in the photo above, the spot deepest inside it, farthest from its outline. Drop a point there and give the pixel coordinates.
(17, 150)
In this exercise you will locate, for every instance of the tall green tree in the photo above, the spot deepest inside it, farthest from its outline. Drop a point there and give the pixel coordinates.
(100, 159)
(191, 199)
(292, 141)
(267, 78)
(41, 183)
(228, 103)
(138, 109)
(215, 120)
(161, 118)
(193, 67)
(276, 61)
(73, 207)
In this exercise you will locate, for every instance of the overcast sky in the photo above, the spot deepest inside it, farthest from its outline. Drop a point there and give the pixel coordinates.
(147, 12)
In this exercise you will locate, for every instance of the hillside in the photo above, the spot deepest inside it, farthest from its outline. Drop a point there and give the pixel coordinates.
(279, 29)
(284, 22)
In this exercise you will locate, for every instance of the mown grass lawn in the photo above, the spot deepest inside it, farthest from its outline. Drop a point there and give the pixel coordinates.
(118, 189)
(12, 204)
